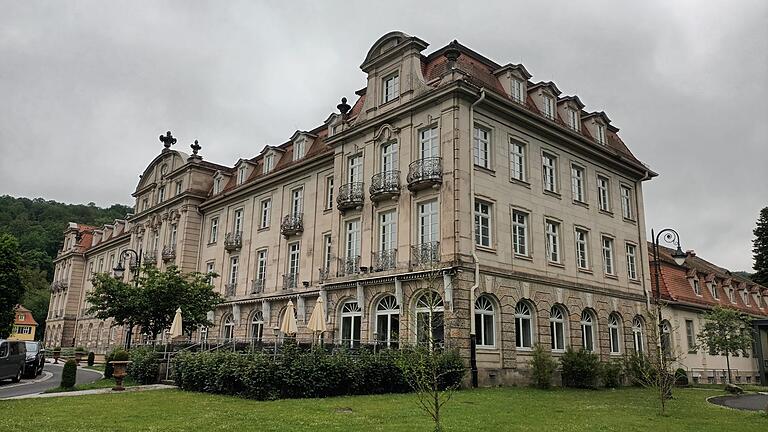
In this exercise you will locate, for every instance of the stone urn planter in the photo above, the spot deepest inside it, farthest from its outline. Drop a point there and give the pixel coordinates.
(79, 355)
(120, 372)
(56, 355)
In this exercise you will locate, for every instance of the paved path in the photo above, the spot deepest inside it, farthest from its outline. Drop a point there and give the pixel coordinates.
(50, 378)
(97, 391)
(752, 402)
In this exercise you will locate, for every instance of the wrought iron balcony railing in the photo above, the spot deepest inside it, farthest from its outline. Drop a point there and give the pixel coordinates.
(230, 289)
(385, 259)
(233, 241)
(350, 196)
(425, 254)
(169, 253)
(325, 273)
(385, 185)
(292, 224)
(349, 265)
(425, 173)
(257, 286)
(290, 280)
(150, 257)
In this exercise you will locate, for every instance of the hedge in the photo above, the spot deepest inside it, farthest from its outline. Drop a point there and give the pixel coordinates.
(144, 366)
(69, 374)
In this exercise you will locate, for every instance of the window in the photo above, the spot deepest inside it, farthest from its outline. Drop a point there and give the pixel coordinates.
(179, 185)
(666, 338)
(631, 261)
(217, 182)
(582, 249)
(428, 145)
(517, 161)
(237, 225)
(387, 230)
(549, 172)
(614, 333)
(600, 133)
(297, 201)
(228, 328)
(214, 232)
(389, 156)
(266, 213)
(209, 270)
(626, 203)
(731, 296)
(549, 107)
(144, 206)
(696, 287)
(573, 119)
(517, 91)
(388, 321)
(553, 241)
(174, 234)
(327, 252)
(430, 328)
(257, 326)
(298, 149)
(269, 162)
(329, 192)
(428, 222)
(261, 267)
(587, 331)
(161, 194)
(690, 335)
(234, 263)
(391, 88)
(577, 183)
(557, 328)
(608, 256)
(520, 232)
(484, 322)
(745, 297)
(713, 289)
(482, 223)
(241, 174)
(523, 325)
(603, 196)
(351, 316)
(637, 334)
(353, 239)
(482, 147)
(355, 169)
(293, 259)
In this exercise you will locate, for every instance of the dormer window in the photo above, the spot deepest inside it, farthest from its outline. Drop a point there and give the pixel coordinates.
(601, 133)
(517, 91)
(178, 187)
(696, 287)
(549, 107)
(298, 149)
(745, 297)
(144, 204)
(241, 174)
(713, 290)
(391, 88)
(217, 182)
(731, 297)
(573, 119)
(269, 163)
(161, 194)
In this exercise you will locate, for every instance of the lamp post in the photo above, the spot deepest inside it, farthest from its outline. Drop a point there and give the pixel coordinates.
(119, 271)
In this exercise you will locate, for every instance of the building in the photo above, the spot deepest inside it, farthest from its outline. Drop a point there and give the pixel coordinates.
(688, 291)
(455, 195)
(24, 325)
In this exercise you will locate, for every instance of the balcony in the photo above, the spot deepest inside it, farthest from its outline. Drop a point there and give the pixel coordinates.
(257, 286)
(292, 224)
(385, 259)
(230, 289)
(290, 280)
(385, 186)
(349, 265)
(425, 254)
(150, 257)
(325, 273)
(233, 241)
(169, 253)
(425, 173)
(350, 196)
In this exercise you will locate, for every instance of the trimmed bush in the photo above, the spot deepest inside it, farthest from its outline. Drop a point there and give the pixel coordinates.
(69, 374)
(681, 377)
(120, 355)
(144, 366)
(542, 367)
(91, 358)
(612, 372)
(581, 369)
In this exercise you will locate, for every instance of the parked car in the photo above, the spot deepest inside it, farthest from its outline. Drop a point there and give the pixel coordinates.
(13, 355)
(35, 359)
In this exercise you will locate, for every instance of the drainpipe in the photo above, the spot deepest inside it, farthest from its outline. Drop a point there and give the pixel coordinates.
(472, 330)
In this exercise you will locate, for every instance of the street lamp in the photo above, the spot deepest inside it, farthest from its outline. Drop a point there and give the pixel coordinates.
(119, 271)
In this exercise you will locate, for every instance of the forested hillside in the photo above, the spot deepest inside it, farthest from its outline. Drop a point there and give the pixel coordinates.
(39, 225)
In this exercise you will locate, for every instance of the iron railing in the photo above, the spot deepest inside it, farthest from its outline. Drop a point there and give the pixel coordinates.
(325, 273)
(425, 172)
(257, 286)
(233, 241)
(384, 185)
(349, 265)
(384, 259)
(425, 253)
(290, 280)
(292, 224)
(350, 196)
(230, 289)
(150, 257)
(169, 253)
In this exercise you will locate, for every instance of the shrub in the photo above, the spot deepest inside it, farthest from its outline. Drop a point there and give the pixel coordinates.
(542, 367)
(681, 377)
(69, 374)
(108, 368)
(144, 366)
(80, 350)
(91, 358)
(120, 355)
(581, 369)
(639, 370)
(612, 372)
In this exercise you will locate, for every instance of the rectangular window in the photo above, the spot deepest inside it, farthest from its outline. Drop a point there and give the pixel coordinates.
(428, 145)
(266, 213)
(174, 233)
(214, 232)
(549, 172)
(144, 204)
(577, 183)
(517, 160)
(549, 107)
(428, 222)
(690, 334)
(517, 91)
(696, 287)
(608, 256)
(482, 223)
(632, 261)
(553, 241)
(216, 185)
(482, 140)
(713, 288)
(603, 195)
(234, 262)
(269, 162)
(209, 269)
(387, 230)
(355, 169)
(573, 119)
(293, 258)
(389, 157)
(582, 249)
(297, 201)
(353, 239)
(179, 185)
(601, 134)
(626, 202)
(391, 88)
(237, 225)
(161, 194)
(298, 149)
(329, 192)
(327, 252)
(261, 266)
(241, 174)
(520, 232)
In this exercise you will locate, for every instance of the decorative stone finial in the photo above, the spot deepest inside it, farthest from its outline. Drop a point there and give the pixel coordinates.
(195, 148)
(168, 140)
(452, 53)
(343, 107)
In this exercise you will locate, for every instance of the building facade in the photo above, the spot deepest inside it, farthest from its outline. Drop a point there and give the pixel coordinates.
(24, 325)
(455, 196)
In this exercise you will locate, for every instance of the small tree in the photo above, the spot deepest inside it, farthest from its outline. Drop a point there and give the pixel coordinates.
(760, 249)
(727, 331)
(69, 374)
(542, 367)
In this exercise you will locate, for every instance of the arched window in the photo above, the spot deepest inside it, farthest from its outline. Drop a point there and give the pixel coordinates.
(388, 321)
(557, 327)
(614, 333)
(90, 333)
(587, 331)
(523, 325)
(351, 315)
(257, 326)
(228, 329)
(99, 331)
(666, 338)
(637, 334)
(485, 328)
(430, 327)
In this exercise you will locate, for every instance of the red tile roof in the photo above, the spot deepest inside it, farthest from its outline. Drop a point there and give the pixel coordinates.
(28, 318)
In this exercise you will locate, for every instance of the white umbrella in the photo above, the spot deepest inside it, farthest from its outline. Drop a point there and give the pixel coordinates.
(176, 326)
(317, 320)
(289, 325)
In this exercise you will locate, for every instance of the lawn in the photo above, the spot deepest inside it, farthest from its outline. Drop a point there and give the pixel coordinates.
(499, 409)
(102, 383)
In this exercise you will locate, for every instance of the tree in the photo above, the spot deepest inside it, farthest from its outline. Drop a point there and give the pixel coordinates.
(37, 295)
(727, 331)
(112, 298)
(760, 249)
(11, 288)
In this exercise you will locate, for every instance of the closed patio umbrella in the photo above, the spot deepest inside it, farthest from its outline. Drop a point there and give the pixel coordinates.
(317, 319)
(176, 326)
(289, 325)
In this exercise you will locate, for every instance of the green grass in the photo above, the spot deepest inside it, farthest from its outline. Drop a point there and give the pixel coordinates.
(102, 383)
(499, 409)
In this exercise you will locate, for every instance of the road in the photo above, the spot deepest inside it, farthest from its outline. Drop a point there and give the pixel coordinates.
(50, 378)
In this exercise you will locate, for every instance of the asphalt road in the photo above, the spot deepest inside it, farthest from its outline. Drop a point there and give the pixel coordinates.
(50, 378)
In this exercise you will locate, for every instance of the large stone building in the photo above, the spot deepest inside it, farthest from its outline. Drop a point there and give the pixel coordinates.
(527, 208)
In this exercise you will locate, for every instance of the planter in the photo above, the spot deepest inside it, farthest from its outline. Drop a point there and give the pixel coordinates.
(56, 355)
(119, 373)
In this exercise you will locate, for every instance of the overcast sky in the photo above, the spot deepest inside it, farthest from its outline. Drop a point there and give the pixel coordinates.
(87, 87)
